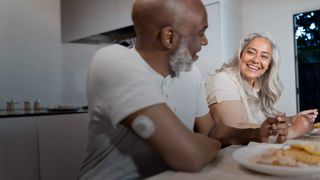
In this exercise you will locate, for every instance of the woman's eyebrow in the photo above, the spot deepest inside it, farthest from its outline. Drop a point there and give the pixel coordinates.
(251, 48)
(266, 52)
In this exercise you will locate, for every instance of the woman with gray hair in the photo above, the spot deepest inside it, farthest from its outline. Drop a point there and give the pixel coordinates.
(243, 93)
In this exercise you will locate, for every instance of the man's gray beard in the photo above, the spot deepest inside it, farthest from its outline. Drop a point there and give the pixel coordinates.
(181, 60)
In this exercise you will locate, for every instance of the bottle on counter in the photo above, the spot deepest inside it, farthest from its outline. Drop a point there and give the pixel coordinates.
(36, 105)
(10, 106)
(27, 105)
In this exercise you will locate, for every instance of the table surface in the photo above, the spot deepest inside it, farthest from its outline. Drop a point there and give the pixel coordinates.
(224, 167)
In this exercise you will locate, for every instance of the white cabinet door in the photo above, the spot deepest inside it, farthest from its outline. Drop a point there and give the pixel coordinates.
(62, 144)
(210, 55)
(18, 149)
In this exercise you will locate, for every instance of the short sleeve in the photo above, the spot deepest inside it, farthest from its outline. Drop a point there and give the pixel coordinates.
(118, 85)
(221, 87)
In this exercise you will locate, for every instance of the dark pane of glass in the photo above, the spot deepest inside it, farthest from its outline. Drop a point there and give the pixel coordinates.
(307, 36)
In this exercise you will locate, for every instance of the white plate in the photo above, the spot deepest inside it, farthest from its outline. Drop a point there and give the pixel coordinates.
(314, 131)
(245, 155)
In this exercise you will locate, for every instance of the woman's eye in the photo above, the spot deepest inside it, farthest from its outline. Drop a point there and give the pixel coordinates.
(265, 57)
(250, 52)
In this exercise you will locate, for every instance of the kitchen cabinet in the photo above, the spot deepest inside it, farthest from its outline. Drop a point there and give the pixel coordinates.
(62, 145)
(43, 147)
(223, 33)
(19, 149)
(83, 18)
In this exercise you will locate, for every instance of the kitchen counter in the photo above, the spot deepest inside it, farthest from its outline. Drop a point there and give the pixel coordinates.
(41, 112)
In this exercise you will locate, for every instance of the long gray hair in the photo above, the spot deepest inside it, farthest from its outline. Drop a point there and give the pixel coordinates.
(270, 83)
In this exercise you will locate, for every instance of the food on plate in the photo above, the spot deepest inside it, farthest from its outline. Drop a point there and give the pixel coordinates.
(310, 148)
(295, 155)
(317, 125)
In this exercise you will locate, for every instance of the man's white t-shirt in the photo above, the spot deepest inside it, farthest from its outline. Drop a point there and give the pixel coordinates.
(120, 83)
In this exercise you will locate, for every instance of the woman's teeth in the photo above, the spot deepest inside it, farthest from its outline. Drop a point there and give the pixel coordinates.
(253, 67)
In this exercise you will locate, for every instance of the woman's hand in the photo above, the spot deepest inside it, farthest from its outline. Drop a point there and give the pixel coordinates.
(282, 129)
(274, 127)
(312, 113)
(301, 124)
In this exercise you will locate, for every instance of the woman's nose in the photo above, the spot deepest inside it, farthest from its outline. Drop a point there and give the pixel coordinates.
(256, 59)
(204, 41)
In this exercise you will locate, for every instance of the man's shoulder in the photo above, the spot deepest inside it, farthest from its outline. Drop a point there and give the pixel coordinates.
(115, 56)
(114, 50)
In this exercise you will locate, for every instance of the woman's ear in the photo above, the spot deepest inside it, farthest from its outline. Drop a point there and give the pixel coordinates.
(169, 37)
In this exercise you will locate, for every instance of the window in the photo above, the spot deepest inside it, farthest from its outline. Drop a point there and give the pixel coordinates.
(307, 54)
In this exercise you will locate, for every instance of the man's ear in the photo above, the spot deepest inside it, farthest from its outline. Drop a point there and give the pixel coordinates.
(169, 37)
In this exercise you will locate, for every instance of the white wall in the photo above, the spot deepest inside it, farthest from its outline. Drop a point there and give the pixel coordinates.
(275, 16)
(34, 63)
(223, 33)
(210, 55)
(231, 27)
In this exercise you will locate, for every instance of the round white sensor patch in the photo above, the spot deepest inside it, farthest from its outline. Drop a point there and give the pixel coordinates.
(143, 126)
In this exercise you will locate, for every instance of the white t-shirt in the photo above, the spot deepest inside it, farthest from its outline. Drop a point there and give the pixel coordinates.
(224, 86)
(184, 95)
(120, 83)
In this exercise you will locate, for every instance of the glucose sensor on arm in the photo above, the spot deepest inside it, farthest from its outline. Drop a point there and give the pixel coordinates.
(143, 126)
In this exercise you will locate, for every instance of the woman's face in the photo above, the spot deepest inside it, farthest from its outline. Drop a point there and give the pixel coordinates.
(255, 59)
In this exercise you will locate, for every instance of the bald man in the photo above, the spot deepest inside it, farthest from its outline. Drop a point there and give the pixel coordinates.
(144, 102)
